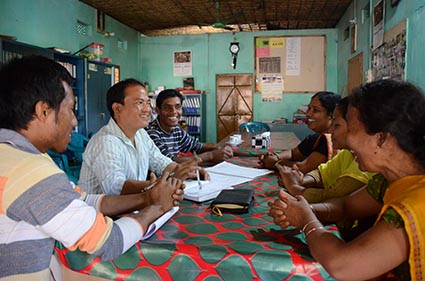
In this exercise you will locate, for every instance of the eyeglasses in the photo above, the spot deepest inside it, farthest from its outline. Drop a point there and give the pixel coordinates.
(143, 103)
(169, 107)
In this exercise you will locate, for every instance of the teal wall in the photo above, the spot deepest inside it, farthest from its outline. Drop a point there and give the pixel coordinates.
(52, 23)
(211, 56)
(412, 10)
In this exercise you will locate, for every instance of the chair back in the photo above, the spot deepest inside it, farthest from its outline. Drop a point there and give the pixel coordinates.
(78, 145)
(254, 127)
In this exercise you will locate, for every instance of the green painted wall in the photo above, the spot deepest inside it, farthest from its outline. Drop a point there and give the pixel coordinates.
(412, 10)
(49, 23)
(211, 56)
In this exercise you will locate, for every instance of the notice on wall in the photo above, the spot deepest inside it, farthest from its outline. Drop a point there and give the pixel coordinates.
(182, 63)
(271, 88)
(293, 56)
(378, 24)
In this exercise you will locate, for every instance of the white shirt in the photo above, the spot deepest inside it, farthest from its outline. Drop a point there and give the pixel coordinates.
(110, 159)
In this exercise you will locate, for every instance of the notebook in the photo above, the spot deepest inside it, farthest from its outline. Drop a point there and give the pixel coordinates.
(153, 227)
(223, 176)
(234, 201)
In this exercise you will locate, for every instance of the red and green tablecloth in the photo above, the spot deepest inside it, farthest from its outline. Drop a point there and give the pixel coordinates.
(198, 245)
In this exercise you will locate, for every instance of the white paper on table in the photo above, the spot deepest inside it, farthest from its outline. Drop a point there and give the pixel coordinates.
(222, 176)
(153, 227)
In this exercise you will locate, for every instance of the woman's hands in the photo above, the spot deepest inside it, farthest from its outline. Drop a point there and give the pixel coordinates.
(290, 211)
(268, 160)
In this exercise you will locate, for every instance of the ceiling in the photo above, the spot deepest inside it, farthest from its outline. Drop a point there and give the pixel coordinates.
(172, 17)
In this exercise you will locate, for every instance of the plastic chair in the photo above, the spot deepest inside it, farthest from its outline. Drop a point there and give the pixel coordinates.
(254, 127)
(62, 162)
(77, 145)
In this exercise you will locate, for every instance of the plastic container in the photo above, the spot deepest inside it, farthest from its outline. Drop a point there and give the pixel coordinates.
(97, 51)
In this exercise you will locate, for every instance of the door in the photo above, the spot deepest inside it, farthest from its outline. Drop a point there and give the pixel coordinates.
(355, 72)
(99, 80)
(234, 102)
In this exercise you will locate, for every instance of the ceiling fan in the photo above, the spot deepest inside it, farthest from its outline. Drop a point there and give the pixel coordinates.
(222, 23)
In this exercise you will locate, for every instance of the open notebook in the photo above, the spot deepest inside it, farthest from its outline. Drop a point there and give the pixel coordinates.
(153, 227)
(223, 176)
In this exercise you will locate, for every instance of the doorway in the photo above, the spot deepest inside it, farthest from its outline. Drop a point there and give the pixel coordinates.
(234, 102)
(355, 72)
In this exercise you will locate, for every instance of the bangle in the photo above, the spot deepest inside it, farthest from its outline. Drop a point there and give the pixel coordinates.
(310, 222)
(277, 163)
(328, 211)
(313, 230)
(277, 155)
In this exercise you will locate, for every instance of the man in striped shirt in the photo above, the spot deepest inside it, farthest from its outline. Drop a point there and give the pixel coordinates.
(38, 204)
(171, 139)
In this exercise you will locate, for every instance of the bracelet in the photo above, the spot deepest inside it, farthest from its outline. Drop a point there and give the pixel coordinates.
(313, 230)
(277, 163)
(328, 211)
(310, 222)
(277, 155)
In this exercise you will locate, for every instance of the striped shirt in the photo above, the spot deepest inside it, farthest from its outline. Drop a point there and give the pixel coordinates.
(174, 142)
(110, 159)
(38, 205)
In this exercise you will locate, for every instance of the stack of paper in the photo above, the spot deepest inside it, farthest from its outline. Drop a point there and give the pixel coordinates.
(223, 176)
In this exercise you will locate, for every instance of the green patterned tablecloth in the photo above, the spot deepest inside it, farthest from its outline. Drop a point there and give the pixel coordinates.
(197, 245)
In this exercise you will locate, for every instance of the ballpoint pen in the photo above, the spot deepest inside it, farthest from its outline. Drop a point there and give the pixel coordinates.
(197, 171)
(149, 187)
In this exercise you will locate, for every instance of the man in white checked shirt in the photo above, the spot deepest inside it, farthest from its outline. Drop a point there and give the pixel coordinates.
(118, 157)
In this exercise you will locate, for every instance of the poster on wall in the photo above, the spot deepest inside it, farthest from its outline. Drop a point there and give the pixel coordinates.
(182, 63)
(293, 56)
(271, 88)
(378, 24)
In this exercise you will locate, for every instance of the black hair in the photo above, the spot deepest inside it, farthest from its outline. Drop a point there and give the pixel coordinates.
(169, 93)
(394, 107)
(26, 81)
(328, 100)
(342, 105)
(116, 93)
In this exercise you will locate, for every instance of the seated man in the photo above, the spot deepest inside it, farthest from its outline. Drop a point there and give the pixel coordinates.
(39, 204)
(118, 157)
(171, 139)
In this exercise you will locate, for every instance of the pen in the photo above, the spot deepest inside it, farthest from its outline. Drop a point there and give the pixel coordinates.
(197, 171)
(149, 187)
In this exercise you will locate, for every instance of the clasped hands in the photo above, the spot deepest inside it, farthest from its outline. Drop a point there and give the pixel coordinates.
(288, 210)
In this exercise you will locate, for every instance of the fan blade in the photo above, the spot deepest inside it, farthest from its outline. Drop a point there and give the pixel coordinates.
(228, 28)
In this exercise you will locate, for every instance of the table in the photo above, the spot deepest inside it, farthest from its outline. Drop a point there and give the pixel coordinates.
(198, 245)
(279, 141)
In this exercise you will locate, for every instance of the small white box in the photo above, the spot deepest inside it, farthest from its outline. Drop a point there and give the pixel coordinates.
(261, 140)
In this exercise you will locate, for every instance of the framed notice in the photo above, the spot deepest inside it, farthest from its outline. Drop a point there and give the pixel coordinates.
(297, 60)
